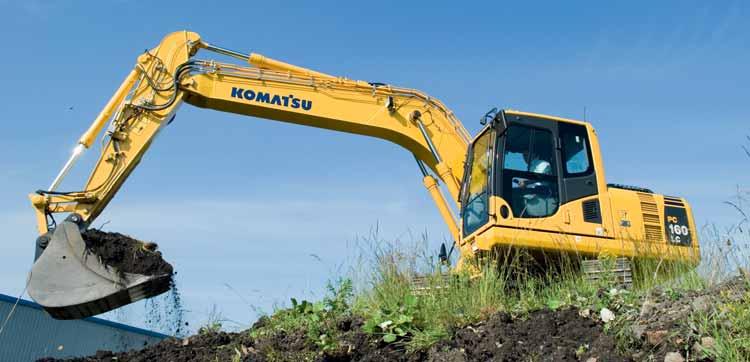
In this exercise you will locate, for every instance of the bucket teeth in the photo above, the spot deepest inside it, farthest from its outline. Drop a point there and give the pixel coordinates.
(71, 283)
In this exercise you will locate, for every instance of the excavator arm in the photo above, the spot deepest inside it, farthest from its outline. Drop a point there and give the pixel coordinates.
(166, 76)
(146, 102)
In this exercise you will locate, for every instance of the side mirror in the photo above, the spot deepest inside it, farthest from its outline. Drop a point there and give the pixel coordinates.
(443, 255)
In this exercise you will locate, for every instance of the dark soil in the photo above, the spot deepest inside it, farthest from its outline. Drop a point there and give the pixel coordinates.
(125, 254)
(542, 336)
(656, 326)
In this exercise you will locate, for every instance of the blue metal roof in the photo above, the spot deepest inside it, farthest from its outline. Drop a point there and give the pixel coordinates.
(125, 327)
(31, 333)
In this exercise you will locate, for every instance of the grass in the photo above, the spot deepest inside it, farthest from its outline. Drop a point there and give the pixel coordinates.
(729, 326)
(463, 299)
(396, 313)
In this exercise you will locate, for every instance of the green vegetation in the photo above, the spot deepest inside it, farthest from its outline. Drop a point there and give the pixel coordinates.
(393, 311)
(397, 313)
(214, 323)
(318, 319)
(729, 326)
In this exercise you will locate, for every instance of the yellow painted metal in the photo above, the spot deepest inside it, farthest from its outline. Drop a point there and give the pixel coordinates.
(133, 125)
(432, 186)
(263, 62)
(567, 231)
(87, 139)
(334, 103)
(451, 181)
(284, 92)
(138, 126)
(338, 104)
(39, 204)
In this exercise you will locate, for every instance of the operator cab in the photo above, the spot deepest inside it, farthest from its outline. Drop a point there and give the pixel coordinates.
(525, 167)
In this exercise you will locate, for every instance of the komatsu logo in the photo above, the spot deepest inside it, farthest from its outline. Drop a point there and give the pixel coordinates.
(285, 101)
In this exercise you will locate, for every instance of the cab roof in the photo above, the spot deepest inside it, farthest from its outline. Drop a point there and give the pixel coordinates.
(545, 116)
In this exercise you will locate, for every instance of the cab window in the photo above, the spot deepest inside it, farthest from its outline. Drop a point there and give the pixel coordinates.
(530, 181)
(475, 211)
(575, 150)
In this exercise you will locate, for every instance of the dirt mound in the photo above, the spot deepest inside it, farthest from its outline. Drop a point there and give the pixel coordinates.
(663, 323)
(545, 335)
(126, 254)
(204, 347)
(654, 327)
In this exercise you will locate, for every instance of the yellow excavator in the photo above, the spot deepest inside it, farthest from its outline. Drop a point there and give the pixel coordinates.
(526, 180)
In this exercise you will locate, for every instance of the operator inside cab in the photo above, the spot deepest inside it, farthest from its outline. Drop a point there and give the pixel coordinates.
(531, 151)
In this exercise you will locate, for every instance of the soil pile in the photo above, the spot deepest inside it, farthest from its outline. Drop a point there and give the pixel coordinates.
(657, 327)
(662, 325)
(545, 335)
(125, 254)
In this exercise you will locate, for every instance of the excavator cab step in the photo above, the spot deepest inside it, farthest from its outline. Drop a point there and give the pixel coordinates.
(70, 282)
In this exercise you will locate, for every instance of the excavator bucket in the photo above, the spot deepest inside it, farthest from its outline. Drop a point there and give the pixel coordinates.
(72, 283)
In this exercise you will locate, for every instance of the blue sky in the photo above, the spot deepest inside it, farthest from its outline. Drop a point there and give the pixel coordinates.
(245, 202)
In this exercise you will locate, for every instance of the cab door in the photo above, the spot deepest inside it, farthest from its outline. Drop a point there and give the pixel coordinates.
(579, 178)
(529, 179)
(477, 186)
